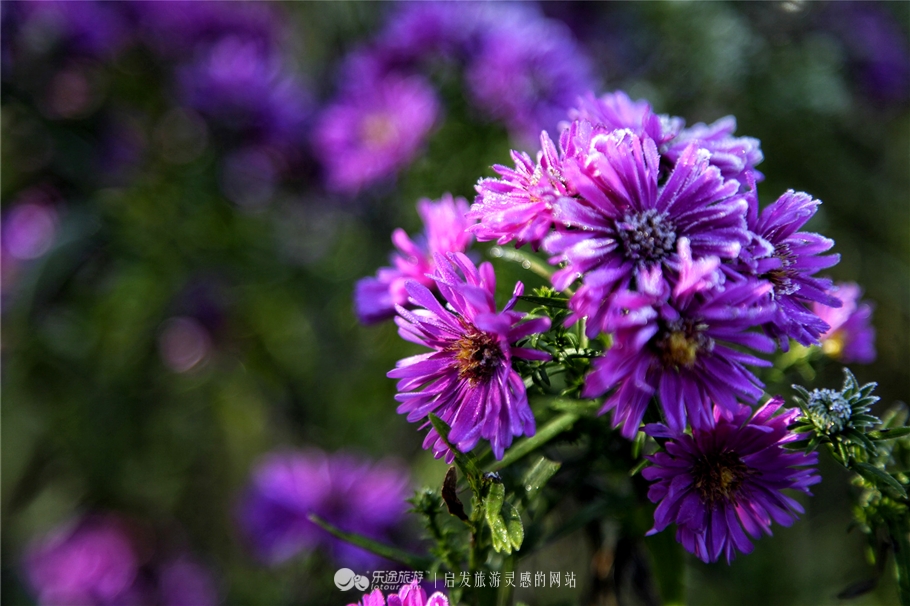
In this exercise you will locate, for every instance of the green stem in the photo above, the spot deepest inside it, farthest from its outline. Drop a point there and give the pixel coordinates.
(413, 561)
(527, 261)
(544, 435)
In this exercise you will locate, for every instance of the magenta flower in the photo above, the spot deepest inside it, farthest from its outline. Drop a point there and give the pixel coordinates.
(794, 259)
(352, 494)
(717, 482)
(373, 131)
(468, 379)
(411, 594)
(851, 336)
(519, 205)
(445, 231)
(673, 344)
(623, 224)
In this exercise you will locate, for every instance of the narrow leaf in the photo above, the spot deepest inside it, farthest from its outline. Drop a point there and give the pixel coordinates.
(514, 526)
(539, 474)
(413, 561)
(880, 477)
(453, 503)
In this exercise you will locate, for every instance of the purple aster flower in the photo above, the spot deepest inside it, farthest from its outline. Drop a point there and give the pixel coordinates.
(468, 380)
(91, 562)
(736, 157)
(246, 89)
(420, 29)
(673, 344)
(851, 336)
(623, 224)
(527, 71)
(793, 260)
(411, 594)
(445, 231)
(371, 133)
(717, 482)
(350, 493)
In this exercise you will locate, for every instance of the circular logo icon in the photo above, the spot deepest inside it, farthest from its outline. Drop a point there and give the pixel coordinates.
(345, 579)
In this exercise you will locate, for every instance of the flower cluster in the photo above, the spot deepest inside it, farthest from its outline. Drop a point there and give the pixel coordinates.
(350, 493)
(659, 226)
(98, 560)
(518, 66)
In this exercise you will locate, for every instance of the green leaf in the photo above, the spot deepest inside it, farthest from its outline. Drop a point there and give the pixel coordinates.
(499, 533)
(539, 474)
(513, 525)
(413, 561)
(555, 302)
(889, 434)
(880, 477)
(493, 502)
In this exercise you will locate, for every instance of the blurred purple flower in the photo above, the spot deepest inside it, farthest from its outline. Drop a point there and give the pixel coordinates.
(722, 480)
(528, 71)
(468, 380)
(372, 132)
(876, 45)
(416, 30)
(247, 90)
(29, 228)
(851, 336)
(91, 563)
(351, 493)
(673, 343)
(445, 230)
(90, 28)
(178, 28)
(411, 594)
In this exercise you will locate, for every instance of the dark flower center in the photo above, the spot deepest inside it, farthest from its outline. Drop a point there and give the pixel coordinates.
(681, 341)
(717, 477)
(477, 356)
(782, 277)
(647, 237)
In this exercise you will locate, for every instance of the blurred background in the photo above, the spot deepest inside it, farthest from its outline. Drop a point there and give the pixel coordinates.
(191, 190)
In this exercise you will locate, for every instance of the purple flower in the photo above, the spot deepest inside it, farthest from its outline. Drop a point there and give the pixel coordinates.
(468, 379)
(527, 71)
(411, 594)
(717, 482)
(372, 132)
(420, 29)
(623, 225)
(736, 157)
(353, 494)
(792, 258)
(95, 29)
(851, 336)
(246, 89)
(92, 562)
(672, 344)
(445, 231)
